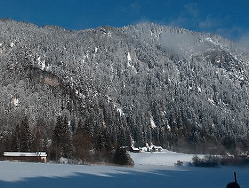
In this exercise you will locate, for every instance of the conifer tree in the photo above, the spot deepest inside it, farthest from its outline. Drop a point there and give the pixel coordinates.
(38, 138)
(25, 136)
(82, 140)
(15, 139)
(121, 157)
(62, 139)
(66, 140)
(56, 138)
(102, 139)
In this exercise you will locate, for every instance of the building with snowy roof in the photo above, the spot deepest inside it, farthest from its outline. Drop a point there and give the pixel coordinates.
(26, 156)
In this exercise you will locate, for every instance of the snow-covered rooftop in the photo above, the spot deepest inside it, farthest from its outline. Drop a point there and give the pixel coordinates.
(25, 154)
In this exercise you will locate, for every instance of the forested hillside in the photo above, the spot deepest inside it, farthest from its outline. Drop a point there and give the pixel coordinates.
(100, 88)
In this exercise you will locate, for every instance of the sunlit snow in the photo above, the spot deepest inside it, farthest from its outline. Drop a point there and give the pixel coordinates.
(150, 170)
(152, 123)
(12, 44)
(15, 101)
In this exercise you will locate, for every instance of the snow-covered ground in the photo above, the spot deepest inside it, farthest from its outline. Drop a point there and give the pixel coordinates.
(165, 158)
(150, 170)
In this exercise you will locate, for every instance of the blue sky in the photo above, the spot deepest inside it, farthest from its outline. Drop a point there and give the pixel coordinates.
(225, 17)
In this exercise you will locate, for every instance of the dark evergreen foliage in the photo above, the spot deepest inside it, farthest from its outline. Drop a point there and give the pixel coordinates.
(62, 139)
(121, 157)
(82, 141)
(22, 138)
(15, 141)
(39, 143)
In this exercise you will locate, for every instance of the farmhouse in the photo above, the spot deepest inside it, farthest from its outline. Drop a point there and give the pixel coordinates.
(26, 156)
(152, 148)
(157, 148)
(134, 150)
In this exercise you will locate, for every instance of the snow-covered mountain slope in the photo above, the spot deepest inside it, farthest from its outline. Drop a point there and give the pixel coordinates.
(147, 83)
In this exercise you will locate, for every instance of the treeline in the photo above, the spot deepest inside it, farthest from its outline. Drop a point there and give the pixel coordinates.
(83, 144)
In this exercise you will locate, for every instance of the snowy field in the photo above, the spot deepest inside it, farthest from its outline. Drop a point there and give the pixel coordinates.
(150, 170)
(165, 158)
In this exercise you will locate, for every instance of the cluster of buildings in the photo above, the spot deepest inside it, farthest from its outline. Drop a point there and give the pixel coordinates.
(147, 148)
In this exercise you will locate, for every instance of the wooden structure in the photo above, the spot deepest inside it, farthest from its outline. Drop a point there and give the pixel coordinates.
(26, 156)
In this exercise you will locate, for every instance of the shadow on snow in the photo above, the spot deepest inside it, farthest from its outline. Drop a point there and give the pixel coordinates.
(180, 177)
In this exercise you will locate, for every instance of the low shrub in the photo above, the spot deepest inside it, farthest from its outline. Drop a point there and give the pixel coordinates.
(208, 161)
(215, 161)
(234, 160)
(179, 163)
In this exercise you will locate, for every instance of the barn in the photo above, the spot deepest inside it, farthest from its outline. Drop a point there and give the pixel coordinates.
(26, 156)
